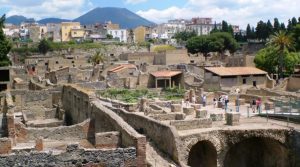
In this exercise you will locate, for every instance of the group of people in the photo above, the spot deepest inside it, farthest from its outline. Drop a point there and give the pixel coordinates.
(256, 104)
(224, 99)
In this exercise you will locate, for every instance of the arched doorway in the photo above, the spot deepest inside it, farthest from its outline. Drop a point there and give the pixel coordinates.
(257, 152)
(203, 154)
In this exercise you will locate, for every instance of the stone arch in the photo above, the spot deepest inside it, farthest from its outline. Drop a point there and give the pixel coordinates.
(257, 151)
(203, 154)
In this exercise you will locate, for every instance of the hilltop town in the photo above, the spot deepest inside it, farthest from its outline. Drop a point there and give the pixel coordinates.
(189, 92)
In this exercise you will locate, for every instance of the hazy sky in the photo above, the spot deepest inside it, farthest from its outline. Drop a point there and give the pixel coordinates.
(238, 12)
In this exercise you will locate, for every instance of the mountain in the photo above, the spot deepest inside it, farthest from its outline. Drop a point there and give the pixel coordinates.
(52, 20)
(125, 18)
(16, 20)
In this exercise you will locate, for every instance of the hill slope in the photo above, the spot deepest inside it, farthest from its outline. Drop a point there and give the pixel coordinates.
(52, 20)
(122, 16)
(16, 20)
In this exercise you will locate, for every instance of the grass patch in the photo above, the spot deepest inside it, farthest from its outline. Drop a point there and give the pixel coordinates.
(132, 96)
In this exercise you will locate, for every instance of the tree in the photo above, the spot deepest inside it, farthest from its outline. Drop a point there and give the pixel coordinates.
(262, 31)
(5, 45)
(248, 32)
(216, 42)
(296, 36)
(276, 25)
(109, 36)
(98, 58)
(282, 42)
(267, 59)
(225, 27)
(269, 28)
(44, 46)
(131, 36)
(294, 21)
(289, 26)
(183, 36)
(282, 27)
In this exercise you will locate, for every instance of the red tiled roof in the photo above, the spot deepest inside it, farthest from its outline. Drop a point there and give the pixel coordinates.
(165, 74)
(234, 71)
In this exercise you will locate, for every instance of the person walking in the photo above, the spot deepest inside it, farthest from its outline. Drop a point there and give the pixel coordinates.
(258, 105)
(253, 105)
(226, 101)
(215, 102)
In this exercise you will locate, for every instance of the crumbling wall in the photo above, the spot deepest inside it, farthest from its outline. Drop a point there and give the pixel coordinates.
(77, 132)
(166, 137)
(81, 104)
(74, 156)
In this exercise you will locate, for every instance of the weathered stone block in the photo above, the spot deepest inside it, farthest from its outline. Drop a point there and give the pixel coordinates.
(5, 145)
(201, 113)
(192, 124)
(240, 102)
(216, 116)
(188, 110)
(176, 108)
(232, 118)
(107, 140)
(170, 116)
(269, 106)
(39, 144)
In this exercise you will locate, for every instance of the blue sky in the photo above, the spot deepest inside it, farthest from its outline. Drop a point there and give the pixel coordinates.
(237, 12)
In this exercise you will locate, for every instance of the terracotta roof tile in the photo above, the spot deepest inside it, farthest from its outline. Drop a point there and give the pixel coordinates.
(122, 67)
(234, 71)
(165, 74)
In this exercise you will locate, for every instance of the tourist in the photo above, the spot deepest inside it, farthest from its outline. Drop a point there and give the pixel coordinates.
(187, 102)
(258, 105)
(226, 101)
(194, 99)
(253, 105)
(215, 102)
(204, 100)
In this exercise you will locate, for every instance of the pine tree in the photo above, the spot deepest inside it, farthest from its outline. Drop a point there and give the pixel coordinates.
(294, 21)
(248, 32)
(269, 28)
(276, 25)
(225, 27)
(282, 27)
(289, 26)
(4, 45)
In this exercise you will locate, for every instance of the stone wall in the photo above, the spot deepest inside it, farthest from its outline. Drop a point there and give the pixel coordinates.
(165, 136)
(80, 104)
(293, 84)
(74, 156)
(80, 131)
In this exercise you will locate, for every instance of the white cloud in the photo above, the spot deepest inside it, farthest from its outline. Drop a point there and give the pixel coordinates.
(135, 1)
(68, 9)
(238, 12)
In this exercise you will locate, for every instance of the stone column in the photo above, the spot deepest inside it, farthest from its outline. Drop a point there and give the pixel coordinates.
(155, 82)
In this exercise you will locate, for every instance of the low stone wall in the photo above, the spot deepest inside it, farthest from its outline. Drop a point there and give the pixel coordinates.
(81, 104)
(171, 116)
(165, 136)
(74, 156)
(192, 124)
(77, 132)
